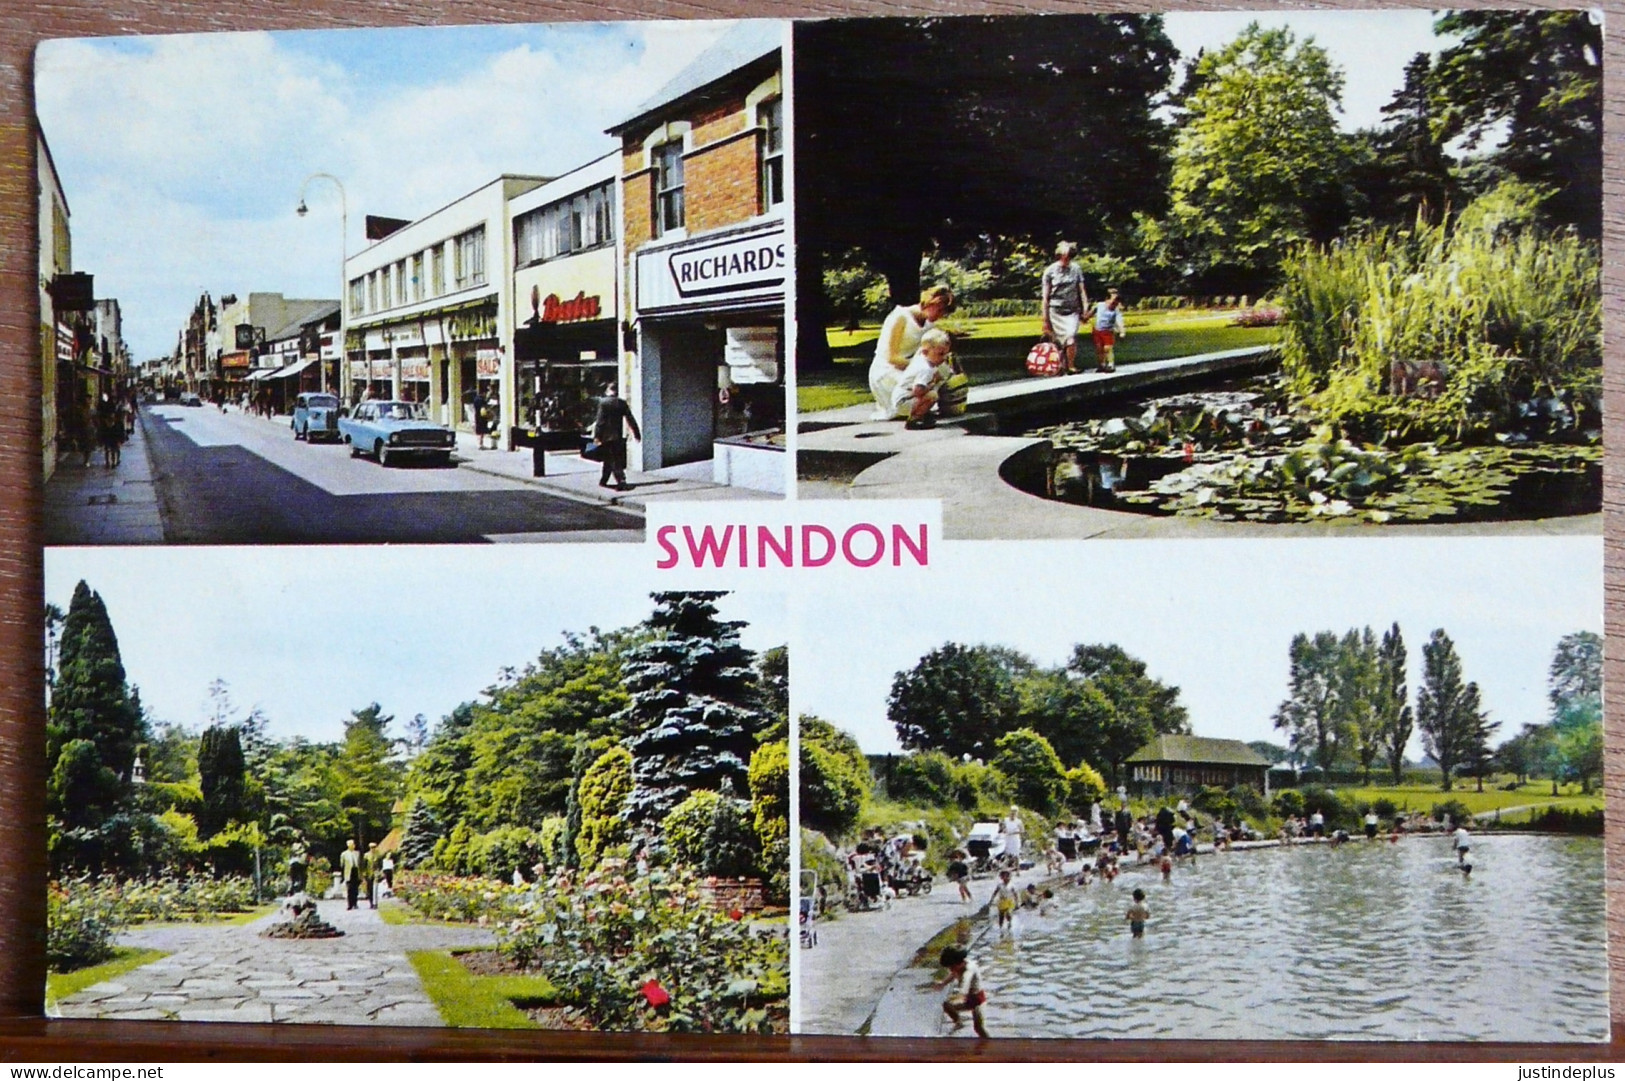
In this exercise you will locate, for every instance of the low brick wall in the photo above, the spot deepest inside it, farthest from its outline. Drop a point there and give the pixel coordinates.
(745, 894)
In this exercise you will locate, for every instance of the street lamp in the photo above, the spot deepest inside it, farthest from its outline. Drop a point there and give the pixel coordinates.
(344, 255)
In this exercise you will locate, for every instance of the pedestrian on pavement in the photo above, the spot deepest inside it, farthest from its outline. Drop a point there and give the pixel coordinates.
(388, 867)
(111, 429)
(482, 420)
(609, 432)
(350, 866)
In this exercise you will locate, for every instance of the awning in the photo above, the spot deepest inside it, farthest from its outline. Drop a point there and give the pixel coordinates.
(259, 374)
(293, 369)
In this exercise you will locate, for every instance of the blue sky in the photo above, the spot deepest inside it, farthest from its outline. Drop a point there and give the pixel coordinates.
(1214, 617)
(182, 156)
(309, 634)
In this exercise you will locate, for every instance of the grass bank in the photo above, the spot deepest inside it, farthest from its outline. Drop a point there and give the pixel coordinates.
(466, 1000)
(994, 350)
(59, 985)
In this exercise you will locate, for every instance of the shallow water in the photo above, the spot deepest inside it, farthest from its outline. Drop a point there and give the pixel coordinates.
(1370, 941)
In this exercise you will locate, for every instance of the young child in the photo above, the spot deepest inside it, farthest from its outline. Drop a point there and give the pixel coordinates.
(1137, 914)
(1167, 866)
(1109, 326)
(968, 994)
(1046, 905)
(1029, 896)
(1005, 899)
(959, 874)
(918, 386)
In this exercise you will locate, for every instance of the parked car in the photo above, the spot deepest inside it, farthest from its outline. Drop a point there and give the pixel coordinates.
(191, 398)
(389, 430)
(315, 416)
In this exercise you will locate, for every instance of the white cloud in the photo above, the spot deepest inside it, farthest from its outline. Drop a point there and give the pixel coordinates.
(182, 157)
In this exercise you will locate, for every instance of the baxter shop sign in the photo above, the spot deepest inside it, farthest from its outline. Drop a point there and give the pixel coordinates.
(714, 272)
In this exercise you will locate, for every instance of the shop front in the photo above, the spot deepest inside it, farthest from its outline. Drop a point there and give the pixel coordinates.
(710, 333)
(568, 348)
(445, 359)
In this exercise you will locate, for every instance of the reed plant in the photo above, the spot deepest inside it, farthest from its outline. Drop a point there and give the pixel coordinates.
(1503, 316)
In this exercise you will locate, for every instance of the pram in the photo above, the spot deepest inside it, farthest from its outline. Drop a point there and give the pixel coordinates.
(983, 839)
(906, 875)
(809, 908)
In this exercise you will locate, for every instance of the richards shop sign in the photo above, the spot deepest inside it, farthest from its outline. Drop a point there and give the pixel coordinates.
(708, 273)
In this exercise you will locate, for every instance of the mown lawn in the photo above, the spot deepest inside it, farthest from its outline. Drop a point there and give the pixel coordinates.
(469, 1001)
(1425, 797)
(994, 350)
(59, 985)
(220, 919)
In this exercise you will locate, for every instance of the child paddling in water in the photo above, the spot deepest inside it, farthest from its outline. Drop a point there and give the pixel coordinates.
(967, 994)
(1137, 914)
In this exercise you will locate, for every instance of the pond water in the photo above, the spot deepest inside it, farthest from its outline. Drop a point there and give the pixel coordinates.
(1369, 941)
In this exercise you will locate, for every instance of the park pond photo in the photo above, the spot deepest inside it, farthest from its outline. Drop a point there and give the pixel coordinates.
(1165, 798)
(597, 840)
(1202, 273)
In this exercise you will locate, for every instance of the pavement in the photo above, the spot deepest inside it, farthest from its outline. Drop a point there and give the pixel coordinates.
(225, 973)
(92, 504)
(858, 954)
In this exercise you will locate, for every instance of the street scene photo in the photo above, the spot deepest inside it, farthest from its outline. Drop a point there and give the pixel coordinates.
(426, 285)
(1178, 801)
(576, 819)
(1204, 273)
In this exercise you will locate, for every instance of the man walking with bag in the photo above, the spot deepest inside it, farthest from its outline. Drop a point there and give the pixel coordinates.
(609, 432)
(350, 866)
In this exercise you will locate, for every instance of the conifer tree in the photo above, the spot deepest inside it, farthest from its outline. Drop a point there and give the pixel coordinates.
(423, 828)
(696, 712)
(220, 767)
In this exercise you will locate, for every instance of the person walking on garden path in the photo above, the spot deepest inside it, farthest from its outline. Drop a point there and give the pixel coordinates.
(898, 342)
(1065, 299)
(369, 874)
(350, 866)
(609, 432)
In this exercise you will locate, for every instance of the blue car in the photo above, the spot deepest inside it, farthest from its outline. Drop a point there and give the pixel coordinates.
(390, 430)
(315, 416)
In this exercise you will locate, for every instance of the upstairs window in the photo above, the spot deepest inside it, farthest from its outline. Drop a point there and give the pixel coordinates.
(468, 269)
(770, 118)
(668, 178)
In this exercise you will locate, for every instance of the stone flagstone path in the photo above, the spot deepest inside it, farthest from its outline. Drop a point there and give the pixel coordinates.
(232, 974)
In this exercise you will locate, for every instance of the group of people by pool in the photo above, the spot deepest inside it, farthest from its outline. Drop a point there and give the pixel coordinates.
(1171, 834)
(913, 361)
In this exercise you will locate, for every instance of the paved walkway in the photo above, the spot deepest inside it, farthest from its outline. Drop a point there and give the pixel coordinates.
(91, 504)
(858, 953)
(216, 973)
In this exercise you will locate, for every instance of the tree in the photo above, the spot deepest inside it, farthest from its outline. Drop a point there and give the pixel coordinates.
(1411, 176)
(1580, 751)
(1358, 676)
(1309, 714)
(1037, 778)
(834, 778)
(1477, 757)
(221, 777)
(1574, 680)
(695, 706)
(604, 790)
(957, 699)
(1068, 710)
(422, 831)
(1394, 717)
(770, 814)
(1141, 705)
(366, 780)
(1536, 77)
(1447, 712)
(773, 676)
(91, 700)
(1258, 164)
(1000, 107)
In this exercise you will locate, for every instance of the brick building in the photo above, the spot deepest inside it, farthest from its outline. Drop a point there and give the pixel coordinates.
(707, 261)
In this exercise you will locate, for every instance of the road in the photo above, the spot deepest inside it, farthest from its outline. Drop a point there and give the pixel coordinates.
(231, 478)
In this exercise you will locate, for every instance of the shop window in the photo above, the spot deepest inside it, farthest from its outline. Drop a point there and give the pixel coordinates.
(770, 118)
(668, 175)
(468, 267)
